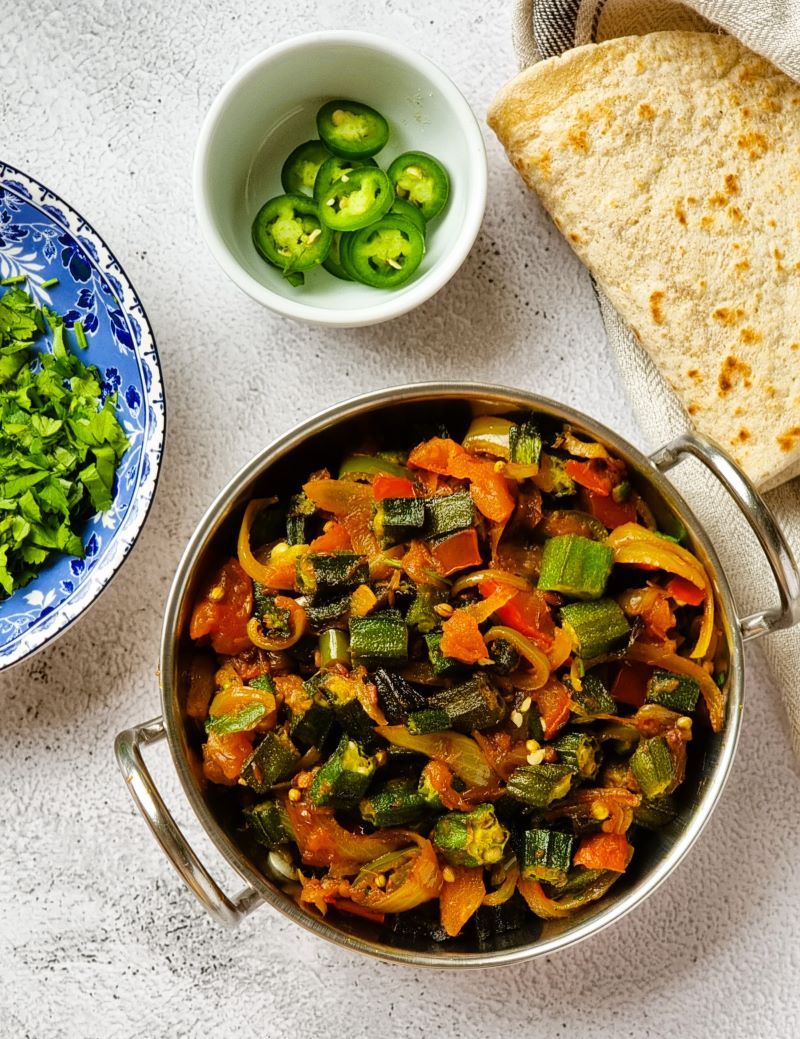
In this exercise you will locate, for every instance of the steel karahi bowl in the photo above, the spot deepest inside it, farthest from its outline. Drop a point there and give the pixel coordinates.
(321, 441)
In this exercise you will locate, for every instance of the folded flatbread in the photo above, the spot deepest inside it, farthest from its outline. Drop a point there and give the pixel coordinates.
(671, 164)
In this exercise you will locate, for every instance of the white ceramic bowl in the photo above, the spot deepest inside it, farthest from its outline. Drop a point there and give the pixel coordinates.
(269, 107)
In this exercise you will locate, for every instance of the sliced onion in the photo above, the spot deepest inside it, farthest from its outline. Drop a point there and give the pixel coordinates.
(527, 649)
(632, 543)
(299, 622)
(559, 652)
(501, 894)
(714, 698)
(461, 753)
(557, 908)
(251, 566)
(581, 448)
(410, 877)
(500, 576)
(488, 434)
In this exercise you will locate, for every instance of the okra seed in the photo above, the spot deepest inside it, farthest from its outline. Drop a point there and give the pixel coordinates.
(516, 718)
(525, 705)
(448, 875)
(294, 794)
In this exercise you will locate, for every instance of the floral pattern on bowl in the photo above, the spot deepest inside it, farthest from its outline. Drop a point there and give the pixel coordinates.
(42, 238)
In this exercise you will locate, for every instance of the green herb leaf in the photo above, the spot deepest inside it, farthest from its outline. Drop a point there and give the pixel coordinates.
(238, 721)
(60, 442)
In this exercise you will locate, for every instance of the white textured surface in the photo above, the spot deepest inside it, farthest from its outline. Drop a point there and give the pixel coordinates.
(97, 936)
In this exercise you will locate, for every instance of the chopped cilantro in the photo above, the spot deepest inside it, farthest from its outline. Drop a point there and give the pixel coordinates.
(59, 443)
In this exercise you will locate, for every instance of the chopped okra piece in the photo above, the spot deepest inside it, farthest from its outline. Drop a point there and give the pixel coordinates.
(298, 519)
(397, 803)
(442, 666)
(331, 573)
(525, 443)
(379, 638)
(594, 627)
(474, 704)
(473, 838)
(540, 785)
(592, 699)
(341, 692)
(421, 613)
(654, 768)
(345, 776)
(430, 719)
(677, 692)
(311, 715)
(269, 824)
(396, 697)
(397, 520)
(575, 566)
(581, 752)
(653, 813)
(545, 855)
(447, 513)
(274, 759)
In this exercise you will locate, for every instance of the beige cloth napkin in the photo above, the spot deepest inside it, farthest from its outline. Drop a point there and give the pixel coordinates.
(543, 28)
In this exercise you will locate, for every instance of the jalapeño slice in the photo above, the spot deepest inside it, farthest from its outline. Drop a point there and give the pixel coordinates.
(288, 233)
(421, 180)
(385, 254)
(352, 129)
(300, 170)
(333, 261)
(403, 208)
(333, 169)
(357, 199)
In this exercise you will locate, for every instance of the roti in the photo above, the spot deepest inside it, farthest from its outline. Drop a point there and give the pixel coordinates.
(671, 164)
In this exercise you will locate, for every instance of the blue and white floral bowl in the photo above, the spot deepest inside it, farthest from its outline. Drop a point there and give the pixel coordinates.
(42, 238)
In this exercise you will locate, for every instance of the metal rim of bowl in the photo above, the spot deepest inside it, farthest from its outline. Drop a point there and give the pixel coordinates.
(234, 491)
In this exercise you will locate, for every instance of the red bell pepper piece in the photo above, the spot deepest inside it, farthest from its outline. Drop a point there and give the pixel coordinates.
(489, 489)
(552, 701)
(458, 552)
(223, 612)
(462, 639)
(333, 539)
(528, 613)
(630, 685)
(684, 592)
(610, 513)
(604, 851)
(592, 474)
(384, 486)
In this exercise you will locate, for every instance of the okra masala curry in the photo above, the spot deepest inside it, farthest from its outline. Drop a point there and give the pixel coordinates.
(457, 684)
